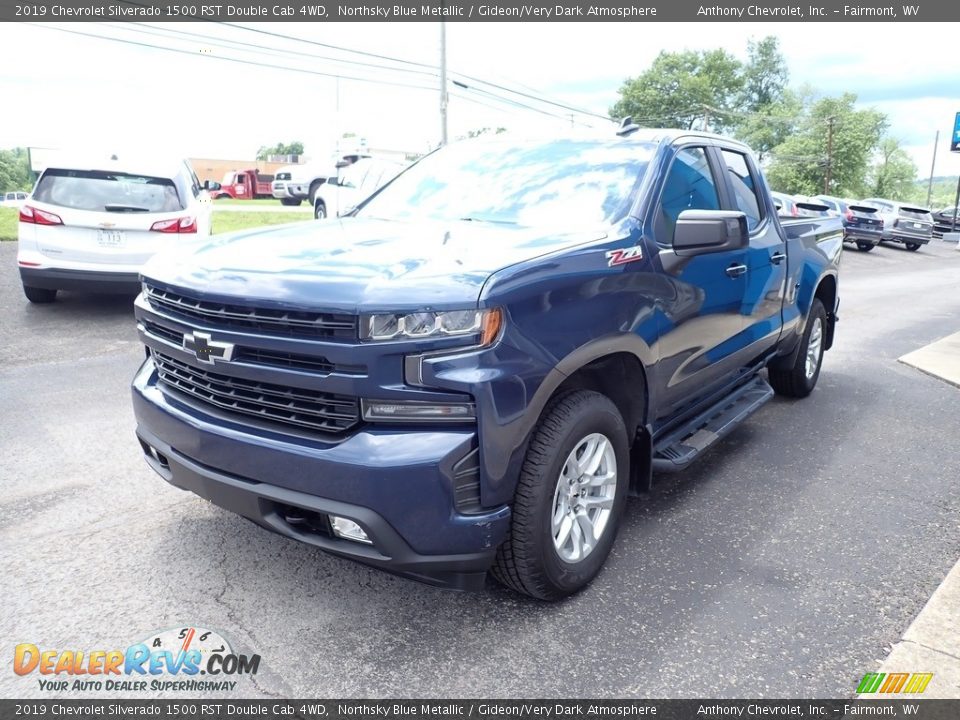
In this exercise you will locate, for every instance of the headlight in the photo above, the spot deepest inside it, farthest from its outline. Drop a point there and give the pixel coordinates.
(485, 324)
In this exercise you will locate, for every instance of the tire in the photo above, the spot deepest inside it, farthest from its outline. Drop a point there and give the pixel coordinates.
(39, 295)
(290, 202)
(865, 247)
(319, 211)
(540, 556)
(799, 381)
(913, 247)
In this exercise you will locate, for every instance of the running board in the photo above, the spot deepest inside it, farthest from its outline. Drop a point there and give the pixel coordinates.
(676, 450)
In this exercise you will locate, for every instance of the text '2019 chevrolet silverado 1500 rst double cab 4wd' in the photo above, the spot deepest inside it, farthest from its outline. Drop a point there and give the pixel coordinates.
(474, 369)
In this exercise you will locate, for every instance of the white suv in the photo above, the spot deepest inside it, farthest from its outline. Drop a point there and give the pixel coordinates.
(92, 225)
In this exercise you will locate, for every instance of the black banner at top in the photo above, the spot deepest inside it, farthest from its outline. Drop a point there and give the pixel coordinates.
(457, 11)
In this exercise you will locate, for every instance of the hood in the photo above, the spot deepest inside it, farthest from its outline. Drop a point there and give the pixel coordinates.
(357, 264)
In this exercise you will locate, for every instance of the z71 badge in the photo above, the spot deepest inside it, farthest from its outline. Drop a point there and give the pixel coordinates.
(624, 256)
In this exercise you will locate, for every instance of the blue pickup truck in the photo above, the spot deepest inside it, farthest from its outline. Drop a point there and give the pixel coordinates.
(473, 371)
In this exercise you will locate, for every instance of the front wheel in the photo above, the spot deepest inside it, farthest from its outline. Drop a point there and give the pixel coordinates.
(913, 247)
(571, 493)
(865, 247)
(290, 202)
(799, 380)
(319, 211)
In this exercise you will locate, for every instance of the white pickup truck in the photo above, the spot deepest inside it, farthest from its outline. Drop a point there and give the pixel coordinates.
(356, 182)
(295, 183)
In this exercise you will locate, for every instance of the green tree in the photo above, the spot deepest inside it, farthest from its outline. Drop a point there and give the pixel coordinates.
(832, 135)
(15, 171)
(765, 75)
(293, 148)
(768, 111)
(894, 173)
(683, 89)
(771, 124)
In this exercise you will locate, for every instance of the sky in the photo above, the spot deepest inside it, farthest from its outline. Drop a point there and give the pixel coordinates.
(71, 91)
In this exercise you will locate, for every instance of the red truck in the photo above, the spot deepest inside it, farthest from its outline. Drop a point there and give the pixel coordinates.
(244, 185)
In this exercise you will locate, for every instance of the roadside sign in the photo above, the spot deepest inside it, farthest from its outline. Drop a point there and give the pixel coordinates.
(955, 140)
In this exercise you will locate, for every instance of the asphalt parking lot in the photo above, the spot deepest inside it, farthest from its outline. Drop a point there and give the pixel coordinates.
(784, 564)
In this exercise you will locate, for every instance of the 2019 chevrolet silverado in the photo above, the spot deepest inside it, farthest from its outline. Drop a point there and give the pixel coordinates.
(474, 369)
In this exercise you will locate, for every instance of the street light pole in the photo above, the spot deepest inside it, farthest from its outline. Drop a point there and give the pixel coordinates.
(443, 83)
(932, 166)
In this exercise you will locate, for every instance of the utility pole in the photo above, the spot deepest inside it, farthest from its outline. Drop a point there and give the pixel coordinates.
(443, 83)
(826, 179)
(706, 118)
(932, 166)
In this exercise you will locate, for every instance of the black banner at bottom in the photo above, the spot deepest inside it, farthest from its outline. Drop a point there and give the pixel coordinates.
(925, 709)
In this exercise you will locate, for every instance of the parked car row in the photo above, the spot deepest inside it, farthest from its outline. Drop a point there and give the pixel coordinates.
(867, 223)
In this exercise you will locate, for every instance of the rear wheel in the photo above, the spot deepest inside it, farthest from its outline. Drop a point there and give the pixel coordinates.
(571, 493)
(799, 380)
(913, 247)
(39, 295)
(865, 247)
(291, 202)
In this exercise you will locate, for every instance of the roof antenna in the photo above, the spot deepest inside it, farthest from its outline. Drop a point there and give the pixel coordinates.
(627, 126)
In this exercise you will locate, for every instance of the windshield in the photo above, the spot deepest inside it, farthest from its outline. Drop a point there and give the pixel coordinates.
(97, 190)
(575, 182)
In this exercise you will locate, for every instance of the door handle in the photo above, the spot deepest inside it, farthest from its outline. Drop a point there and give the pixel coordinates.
(778, 257)
(736, 270)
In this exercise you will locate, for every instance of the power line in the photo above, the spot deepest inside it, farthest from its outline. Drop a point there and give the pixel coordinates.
(472, 78)
(171, 33)
(233, 60)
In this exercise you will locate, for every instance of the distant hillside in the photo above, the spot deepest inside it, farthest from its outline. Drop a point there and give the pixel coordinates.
(943, 194)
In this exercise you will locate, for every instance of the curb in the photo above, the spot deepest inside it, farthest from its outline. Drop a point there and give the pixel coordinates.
(930, 645)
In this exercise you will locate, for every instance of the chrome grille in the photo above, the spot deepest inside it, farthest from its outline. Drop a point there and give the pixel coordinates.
(267, 320)
(277, 404)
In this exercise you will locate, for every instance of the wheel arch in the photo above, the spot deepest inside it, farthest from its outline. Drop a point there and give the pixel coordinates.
(826, 293)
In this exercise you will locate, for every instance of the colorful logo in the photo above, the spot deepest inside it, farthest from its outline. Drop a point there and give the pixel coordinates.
(183, 653)
(913, 683)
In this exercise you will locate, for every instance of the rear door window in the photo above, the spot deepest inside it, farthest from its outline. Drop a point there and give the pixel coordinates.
(108, 191)
(744, 187)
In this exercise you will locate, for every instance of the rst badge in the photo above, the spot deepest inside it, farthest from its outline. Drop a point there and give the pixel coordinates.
(624, 256)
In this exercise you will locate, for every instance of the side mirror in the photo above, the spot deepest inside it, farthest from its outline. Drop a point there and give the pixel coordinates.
(211, 185)
(699, 232)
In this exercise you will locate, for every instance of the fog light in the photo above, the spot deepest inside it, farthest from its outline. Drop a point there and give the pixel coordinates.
(348, 530)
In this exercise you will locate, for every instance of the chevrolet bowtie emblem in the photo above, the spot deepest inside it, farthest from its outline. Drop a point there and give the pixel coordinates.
(206, 349)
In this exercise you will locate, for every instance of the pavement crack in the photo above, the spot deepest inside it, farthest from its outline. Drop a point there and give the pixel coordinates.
(933, 649)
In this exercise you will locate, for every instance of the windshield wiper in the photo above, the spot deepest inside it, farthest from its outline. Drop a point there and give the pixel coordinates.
(125, 208)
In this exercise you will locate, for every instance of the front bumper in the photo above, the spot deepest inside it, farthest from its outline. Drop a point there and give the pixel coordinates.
(281, 190)
(81, 280)
(397, 484)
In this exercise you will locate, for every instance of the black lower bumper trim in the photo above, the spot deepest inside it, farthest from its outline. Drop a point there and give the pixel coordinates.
(80, 280)
(270, 507)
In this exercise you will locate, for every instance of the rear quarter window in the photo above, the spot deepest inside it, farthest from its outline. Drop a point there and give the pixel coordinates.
(108, 191)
